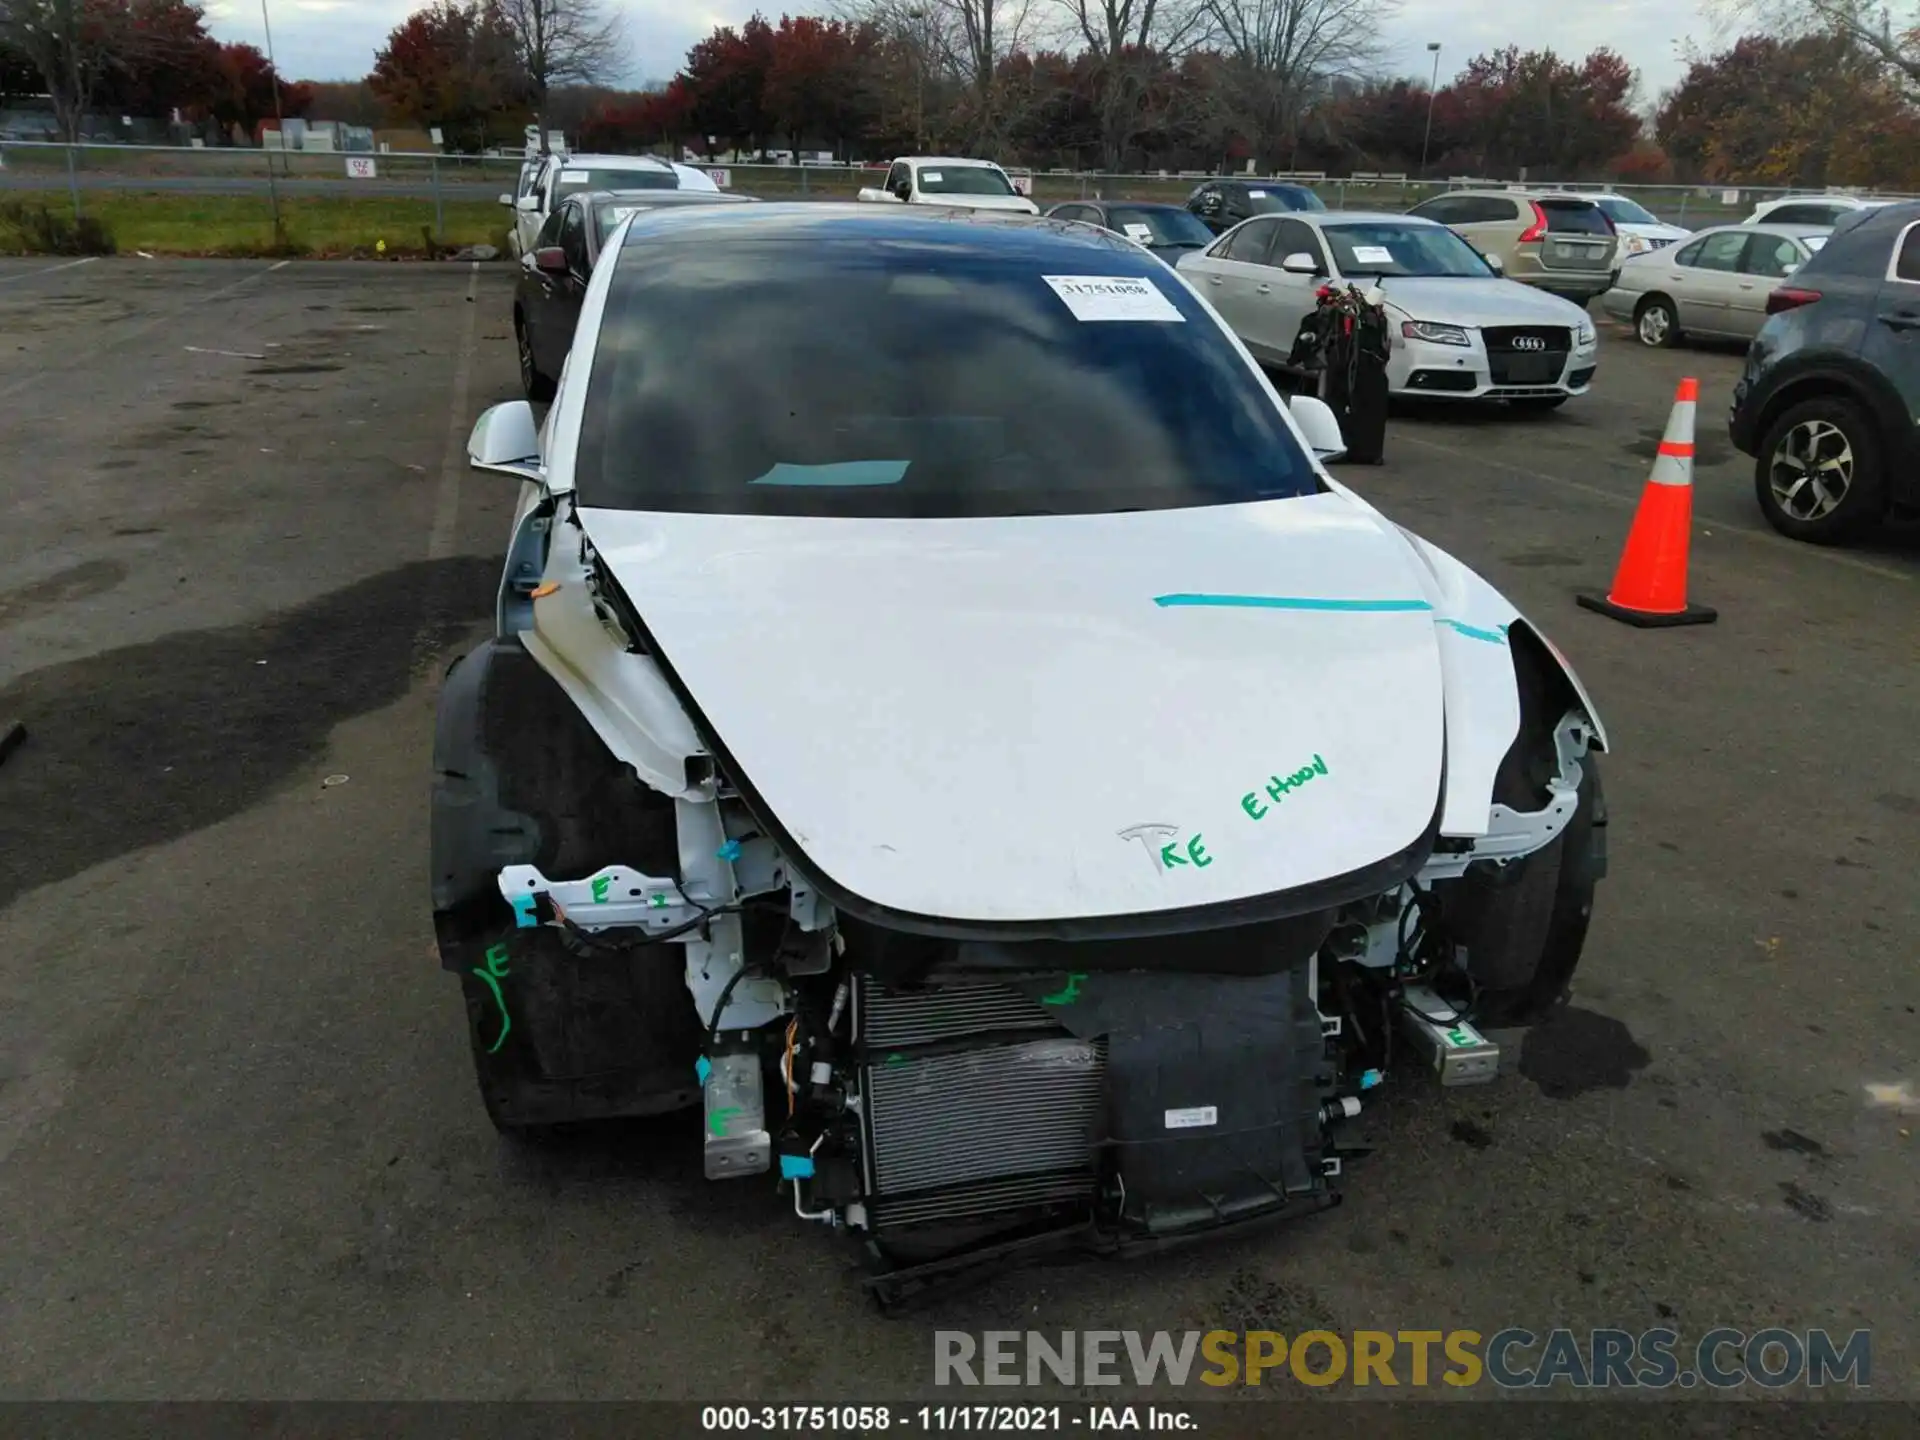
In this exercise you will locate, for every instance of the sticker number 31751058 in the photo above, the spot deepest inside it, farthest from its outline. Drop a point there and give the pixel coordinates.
(1113, 297)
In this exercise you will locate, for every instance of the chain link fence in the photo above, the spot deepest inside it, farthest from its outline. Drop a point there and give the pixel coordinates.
(442, 199)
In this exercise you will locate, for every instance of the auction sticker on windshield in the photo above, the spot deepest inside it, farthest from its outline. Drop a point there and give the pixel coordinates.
(1142, 233)
(574, 177)
(1372, 255)
(1113, 297)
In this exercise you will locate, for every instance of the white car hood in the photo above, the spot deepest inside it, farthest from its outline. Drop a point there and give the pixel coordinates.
(1651, 232)
(1478, 302)
(1058, 717)
(978, 202)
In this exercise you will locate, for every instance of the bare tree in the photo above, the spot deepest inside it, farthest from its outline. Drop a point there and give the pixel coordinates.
(562, 42)
(1132, 38)
(1283, 52)
(960, 40)
(1889, 33)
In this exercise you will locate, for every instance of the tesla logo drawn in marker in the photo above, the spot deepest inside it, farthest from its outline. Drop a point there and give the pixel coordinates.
(1166, 849)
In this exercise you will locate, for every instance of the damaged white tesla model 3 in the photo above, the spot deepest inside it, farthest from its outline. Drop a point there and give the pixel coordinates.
(947, 732)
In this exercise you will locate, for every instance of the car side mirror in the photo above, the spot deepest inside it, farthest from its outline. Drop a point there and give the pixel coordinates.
(1300, 263)
(1499, 266)
(505, 441)
(507, 200)
(529, 203)
(550, 260)
(1319, 425)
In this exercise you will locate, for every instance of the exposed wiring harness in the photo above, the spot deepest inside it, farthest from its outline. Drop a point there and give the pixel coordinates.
(1423, 955)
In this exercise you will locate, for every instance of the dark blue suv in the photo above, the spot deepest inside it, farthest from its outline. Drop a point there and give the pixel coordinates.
(1829, 405)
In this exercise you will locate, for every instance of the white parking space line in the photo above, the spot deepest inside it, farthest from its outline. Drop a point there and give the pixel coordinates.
(453, 458)
(119, 340)
(1628, 502)
(49, 270)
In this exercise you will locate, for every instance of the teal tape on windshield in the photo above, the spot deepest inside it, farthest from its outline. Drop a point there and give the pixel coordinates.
(847, 472)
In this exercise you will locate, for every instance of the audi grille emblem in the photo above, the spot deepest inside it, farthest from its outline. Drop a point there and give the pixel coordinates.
(1529, 342)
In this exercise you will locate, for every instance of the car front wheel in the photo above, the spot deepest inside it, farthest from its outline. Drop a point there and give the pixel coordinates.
(1820, 476)
(1655, 323)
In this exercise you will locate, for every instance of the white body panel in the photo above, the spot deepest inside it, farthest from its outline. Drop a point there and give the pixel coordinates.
(960, 718)
(1639, 238)
(917, 163)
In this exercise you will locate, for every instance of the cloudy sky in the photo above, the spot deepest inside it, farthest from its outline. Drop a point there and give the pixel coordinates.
(336, 39)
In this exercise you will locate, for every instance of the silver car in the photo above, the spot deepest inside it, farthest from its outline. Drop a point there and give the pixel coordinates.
(1459, 331)
(1715, 285)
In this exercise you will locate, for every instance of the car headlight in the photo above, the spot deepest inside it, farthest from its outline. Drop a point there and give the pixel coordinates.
(1584, 335)
(1434, 333)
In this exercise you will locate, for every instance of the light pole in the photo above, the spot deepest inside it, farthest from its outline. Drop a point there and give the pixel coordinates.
(273, 191)
(919, 17)
(1433, 92)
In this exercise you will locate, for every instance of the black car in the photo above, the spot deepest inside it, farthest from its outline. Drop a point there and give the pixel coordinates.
(1828, 401)
(554, 273)
(1169, 231)
(1223, 204)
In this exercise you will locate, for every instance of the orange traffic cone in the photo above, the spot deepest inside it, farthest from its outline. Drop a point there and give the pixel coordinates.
(1650, 587)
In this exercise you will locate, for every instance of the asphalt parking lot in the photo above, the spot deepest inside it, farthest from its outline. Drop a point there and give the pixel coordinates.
(241, 1155)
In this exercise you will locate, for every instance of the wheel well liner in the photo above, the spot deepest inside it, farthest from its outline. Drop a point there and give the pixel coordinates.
(520, 778)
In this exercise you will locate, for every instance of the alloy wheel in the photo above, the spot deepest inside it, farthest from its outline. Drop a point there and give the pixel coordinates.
(1811, 470)
(1655, 325)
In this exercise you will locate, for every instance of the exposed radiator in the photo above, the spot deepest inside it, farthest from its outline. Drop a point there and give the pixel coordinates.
(943, 1012)
(958, 1132)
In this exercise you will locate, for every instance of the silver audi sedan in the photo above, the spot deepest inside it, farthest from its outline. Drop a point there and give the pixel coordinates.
(1459, 329)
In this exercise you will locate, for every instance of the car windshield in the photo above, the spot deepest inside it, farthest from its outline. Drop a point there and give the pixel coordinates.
(1044, 394)
(1623, 211)
(1160, 227)
(574, 178)
(964, 180)
(1387, 247)
(1272, 202)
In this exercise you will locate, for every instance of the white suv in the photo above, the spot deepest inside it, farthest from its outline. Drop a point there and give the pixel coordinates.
(1810, 209)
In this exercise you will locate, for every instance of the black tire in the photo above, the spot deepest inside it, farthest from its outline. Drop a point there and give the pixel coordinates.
(1539, 404)
(1833, 427)
(540, 388)
(1656, 323)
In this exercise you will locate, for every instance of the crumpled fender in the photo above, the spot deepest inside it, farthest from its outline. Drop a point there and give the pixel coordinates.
(1475, 625)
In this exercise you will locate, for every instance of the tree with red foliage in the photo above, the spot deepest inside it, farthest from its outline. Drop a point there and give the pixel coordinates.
(1515, 109)
(635, 122)
(451, 66)
(1818, 110)
(726, 76)
(134, 55)
(242, 92)
(818, 82)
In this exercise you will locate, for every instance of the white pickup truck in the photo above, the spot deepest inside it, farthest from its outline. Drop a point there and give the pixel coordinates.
(954, 183)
